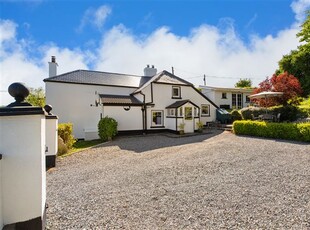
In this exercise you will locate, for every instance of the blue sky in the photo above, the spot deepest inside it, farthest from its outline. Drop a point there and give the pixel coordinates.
(225, 40)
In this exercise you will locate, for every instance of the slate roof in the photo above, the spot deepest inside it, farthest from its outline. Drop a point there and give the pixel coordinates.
(90, 77)
(166, 78)
(178, 104)
(108, 99)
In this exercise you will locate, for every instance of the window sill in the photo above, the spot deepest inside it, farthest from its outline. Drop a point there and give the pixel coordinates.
(176, 97)
(157, 127)
(205, 115)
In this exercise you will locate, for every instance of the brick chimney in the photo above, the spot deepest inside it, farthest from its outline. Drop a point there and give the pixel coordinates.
(52, 67)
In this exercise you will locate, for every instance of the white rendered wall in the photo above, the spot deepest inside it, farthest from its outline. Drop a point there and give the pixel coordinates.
(71, 103)
(22, 144)
(169, 122)
(51, 136)
(216, 96)
(127, 120)
(162, 97)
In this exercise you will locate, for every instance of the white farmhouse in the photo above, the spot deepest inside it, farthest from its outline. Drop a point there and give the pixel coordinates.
(228, 98)
(140, 104)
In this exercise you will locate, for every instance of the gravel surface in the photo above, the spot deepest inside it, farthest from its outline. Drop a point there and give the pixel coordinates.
(209, 181)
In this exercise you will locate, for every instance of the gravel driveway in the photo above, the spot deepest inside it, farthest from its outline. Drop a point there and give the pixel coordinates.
(218, 181)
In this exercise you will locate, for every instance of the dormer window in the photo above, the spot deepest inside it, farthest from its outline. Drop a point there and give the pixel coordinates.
(176, 92)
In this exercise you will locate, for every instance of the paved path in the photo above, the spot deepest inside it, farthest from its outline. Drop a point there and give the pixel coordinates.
(201, 182)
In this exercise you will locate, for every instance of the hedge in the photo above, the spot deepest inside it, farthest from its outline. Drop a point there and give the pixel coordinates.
(288, 131)
(107, 128)
(288, 112)
(65, 132)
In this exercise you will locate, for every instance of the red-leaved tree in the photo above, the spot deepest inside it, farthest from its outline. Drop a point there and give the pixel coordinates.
(284, 82)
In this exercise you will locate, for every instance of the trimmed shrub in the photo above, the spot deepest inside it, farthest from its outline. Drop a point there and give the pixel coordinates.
(65, 132)
(107, 128)
(62, 148)
(288, 112)
(235, 115)
(288, 131)
(246, 113)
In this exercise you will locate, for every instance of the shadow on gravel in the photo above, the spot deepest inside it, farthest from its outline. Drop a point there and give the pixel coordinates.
(143, 143)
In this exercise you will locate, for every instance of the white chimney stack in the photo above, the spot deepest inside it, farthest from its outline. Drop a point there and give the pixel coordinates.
(150, 71)
(52, 67)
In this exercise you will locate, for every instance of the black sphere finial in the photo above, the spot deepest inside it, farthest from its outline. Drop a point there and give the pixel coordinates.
(48, 109)
(19, 91)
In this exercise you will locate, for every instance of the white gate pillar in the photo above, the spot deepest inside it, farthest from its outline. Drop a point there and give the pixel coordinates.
(22, 145)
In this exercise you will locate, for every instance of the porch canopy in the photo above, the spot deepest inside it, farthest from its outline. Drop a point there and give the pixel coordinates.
(178, 104)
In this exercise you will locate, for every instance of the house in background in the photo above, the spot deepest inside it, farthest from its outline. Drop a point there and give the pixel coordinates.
(140, 104)
(228, 98)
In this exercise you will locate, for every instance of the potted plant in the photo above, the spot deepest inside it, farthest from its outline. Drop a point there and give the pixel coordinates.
(181, 128)
(200, 126)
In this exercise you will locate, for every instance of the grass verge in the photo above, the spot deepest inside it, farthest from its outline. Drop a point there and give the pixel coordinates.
(82, 145)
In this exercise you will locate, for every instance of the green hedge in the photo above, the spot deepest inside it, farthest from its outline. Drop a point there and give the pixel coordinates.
(235, 115)
(107, 128)
(65, 132)
(288, 112)
(288, 131)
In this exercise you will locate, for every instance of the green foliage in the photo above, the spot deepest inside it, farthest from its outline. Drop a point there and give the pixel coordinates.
(107, 128)
(235, 115)
(288, 131)
(65, 132)
(297, 62)
(248, 112)
(244, 83)
(62, 148)
(199, 125)
(36, 97)
(304, 107)
(288, 112)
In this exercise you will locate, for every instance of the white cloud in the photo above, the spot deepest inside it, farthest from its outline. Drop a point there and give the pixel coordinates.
(95, 17)
(206, 50)
(299, 7)
(16, 66)
(7, 30)
(214, 51)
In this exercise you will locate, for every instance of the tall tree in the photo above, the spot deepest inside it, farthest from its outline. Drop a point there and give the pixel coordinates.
(284, 82)
(297, 62)
(36, 97)
(244, 83)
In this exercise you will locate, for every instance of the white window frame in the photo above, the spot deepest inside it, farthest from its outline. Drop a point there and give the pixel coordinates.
(171, 112)
(179, 92)
(202, 110)
(162, 118)
(196, 112)
(224, 95)
(180, 112)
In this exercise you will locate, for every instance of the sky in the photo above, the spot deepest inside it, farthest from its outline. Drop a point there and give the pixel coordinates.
(223, 39)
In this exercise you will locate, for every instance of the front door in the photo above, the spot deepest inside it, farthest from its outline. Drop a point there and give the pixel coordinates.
(188, 119)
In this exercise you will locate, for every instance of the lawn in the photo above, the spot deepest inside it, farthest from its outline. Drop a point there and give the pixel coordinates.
(82, 145)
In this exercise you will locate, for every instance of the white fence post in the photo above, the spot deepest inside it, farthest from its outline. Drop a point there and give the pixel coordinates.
(22, 145)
